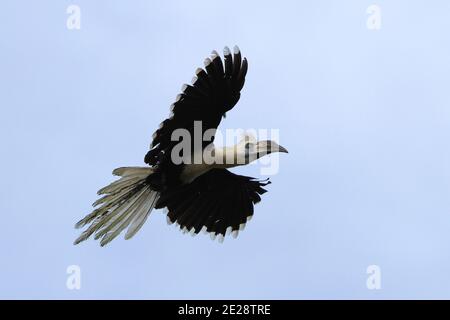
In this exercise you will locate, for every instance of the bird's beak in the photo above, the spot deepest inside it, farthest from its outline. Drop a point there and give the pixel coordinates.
(282, 149)
(266, 147)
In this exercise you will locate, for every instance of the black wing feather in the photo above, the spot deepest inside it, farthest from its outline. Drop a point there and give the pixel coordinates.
(216, 200)
(212, 93)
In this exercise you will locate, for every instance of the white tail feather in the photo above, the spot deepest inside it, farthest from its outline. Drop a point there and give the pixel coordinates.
(121, 213)
(118, 184)
(129, 171)
(141, 217)
(122, 221)
(127, 202)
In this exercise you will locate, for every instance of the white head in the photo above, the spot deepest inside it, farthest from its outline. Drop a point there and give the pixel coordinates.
(245, 152)
(250, 150)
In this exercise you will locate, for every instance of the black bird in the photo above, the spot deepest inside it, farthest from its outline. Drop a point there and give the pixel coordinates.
(198, 195)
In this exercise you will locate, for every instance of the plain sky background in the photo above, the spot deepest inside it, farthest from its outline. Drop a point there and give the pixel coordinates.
(365, 115)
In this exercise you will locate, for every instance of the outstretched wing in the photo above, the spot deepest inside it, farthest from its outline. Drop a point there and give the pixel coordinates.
(218, 202)
(214, 91)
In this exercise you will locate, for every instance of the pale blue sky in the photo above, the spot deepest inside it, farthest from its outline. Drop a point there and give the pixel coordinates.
(365, 116)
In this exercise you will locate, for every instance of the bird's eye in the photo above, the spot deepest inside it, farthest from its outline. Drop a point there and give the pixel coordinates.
(249, 147)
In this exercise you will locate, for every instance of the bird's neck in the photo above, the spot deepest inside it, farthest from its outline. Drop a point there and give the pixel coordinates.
(229, 157)
(217, 157)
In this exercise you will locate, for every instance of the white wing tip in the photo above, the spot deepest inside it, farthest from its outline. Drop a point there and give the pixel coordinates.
(236, 50)
(226, 51)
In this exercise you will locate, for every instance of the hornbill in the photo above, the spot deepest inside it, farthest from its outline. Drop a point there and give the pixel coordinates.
(198, 196)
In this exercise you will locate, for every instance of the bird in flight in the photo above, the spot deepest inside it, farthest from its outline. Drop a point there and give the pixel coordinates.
(198, 195)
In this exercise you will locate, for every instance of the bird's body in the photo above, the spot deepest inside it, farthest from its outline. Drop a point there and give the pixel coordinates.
(186, 175)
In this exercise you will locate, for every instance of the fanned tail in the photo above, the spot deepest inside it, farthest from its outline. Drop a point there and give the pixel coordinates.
(126, 202)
